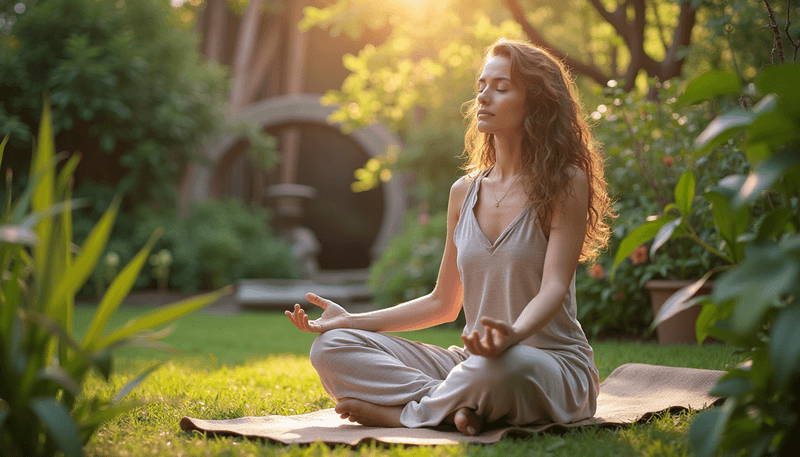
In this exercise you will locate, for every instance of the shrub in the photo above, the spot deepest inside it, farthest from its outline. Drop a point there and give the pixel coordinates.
(649, 145)
(754, 305)
(218, 242)
(43, 409)
(410, 263)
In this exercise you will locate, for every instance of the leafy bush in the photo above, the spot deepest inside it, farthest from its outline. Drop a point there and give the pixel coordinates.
(128, 89)
(218, 243)
(43, 409)
(409, 264)
(648, 144)
(754, 305)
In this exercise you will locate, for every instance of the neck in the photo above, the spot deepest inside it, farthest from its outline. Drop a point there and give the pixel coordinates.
(508, 156)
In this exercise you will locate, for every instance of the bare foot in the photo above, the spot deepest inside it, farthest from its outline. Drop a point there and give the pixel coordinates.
(467, 422)
(369, 414)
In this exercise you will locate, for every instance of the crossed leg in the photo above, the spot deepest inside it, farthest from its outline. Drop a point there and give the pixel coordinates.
(382, 380)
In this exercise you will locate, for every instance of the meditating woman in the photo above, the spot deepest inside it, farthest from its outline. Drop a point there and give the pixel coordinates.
(531, 206)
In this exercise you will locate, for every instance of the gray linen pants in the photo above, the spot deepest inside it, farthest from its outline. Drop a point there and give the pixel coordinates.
(525, 385)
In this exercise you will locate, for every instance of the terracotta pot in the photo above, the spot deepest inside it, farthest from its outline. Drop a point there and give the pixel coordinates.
(680, 328)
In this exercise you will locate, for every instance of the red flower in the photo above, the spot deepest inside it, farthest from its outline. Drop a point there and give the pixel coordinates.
(640, 256)
(597, 271)
(619, 296)
(668, 161)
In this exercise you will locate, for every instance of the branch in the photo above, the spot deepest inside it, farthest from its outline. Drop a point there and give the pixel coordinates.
(618, 18)
(639, 58)
(660, 27)
(681, 38)
(796, 46)
(538, 39)
(776, 31)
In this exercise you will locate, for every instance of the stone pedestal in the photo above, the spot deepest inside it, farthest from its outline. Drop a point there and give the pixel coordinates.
(289, 200)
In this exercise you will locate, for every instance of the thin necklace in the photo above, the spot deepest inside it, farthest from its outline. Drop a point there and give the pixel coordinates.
(497, 202)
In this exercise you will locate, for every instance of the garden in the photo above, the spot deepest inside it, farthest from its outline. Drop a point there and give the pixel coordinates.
(106, 102)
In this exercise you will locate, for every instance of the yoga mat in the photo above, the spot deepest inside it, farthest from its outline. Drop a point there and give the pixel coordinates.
(629, 394)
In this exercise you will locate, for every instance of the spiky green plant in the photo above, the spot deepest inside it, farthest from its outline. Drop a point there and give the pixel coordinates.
(42, 364)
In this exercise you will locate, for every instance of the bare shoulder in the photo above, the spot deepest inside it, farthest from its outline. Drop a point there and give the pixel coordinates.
(458, 191)
(578, 181)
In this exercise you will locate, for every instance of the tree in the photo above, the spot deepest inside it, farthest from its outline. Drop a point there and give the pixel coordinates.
(128, 89)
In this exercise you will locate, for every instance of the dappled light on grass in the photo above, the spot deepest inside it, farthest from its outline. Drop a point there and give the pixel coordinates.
(252, 364)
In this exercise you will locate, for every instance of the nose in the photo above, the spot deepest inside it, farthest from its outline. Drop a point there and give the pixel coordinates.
(483, 97)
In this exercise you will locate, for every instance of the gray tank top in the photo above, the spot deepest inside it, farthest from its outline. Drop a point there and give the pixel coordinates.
(500, 279)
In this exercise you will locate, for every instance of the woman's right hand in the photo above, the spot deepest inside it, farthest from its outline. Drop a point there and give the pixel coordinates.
(333, 316)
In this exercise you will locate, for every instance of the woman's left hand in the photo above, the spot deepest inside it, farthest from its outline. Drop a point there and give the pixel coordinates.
(498, 337)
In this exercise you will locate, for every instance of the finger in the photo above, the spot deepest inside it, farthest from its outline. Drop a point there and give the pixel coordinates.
(490, 346)
(317, 300)
(499, 326)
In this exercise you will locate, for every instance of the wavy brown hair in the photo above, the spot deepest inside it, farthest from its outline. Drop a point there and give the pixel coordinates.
(556, 137)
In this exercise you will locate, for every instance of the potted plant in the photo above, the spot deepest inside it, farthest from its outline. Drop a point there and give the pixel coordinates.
(754, 305)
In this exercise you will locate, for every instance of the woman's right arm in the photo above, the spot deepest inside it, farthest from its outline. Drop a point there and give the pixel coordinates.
(440, 306)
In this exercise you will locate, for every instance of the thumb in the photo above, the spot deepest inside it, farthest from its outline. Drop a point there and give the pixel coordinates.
(317, 300)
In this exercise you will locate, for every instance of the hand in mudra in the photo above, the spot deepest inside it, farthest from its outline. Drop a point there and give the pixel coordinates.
(498, 337)
(333, 316)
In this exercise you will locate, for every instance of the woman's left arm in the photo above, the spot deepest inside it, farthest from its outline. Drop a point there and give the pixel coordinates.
(567, 232)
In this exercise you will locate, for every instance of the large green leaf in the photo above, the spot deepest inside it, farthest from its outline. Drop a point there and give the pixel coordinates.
(162, 316)
(85, 263)
(664, 234)
(60, 426)
(116, 292)
(95, 419)
(42, 196)
(764, 177)
(684, 192)
(638, 237)
(784, 344)
(724, 127)
(756, 283)
(782, 80)
(65, 175)
(778, 221)
(680, 300)
(3, 146)
(709, 85)
(127, 388)
(772, 128)
(708, 429)
(731, 386)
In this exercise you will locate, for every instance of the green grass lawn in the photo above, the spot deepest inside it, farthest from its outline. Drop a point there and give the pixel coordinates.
(253, 364)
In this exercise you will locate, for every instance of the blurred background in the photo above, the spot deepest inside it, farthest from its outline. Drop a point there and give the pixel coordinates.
(283, 143)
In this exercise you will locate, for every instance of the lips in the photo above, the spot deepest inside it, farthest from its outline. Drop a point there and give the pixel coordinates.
(484, 112)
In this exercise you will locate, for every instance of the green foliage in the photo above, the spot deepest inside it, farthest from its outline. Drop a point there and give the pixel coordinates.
(754, 304)
(128, 88)
(404, 76)
(409, 265)
(217, 243)
(648, 144)
(43, 366)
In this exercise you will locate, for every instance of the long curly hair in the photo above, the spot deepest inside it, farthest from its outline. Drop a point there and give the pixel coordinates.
(557, 137)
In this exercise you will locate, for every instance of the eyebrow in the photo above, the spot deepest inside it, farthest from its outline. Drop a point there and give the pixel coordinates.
(503, 78)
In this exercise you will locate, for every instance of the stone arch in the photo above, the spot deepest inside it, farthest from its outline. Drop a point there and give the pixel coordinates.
(303, 108)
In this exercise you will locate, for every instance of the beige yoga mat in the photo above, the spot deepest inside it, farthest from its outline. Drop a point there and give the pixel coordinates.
(630, 393)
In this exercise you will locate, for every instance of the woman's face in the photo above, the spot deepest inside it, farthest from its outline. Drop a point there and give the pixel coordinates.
(501, 102)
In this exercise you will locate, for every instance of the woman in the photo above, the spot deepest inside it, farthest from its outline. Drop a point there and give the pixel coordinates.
(531, 206)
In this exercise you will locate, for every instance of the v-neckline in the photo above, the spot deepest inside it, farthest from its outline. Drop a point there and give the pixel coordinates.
(489, 244)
